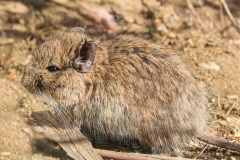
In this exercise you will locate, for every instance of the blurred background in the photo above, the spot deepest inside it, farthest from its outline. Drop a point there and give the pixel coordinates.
(205, 32)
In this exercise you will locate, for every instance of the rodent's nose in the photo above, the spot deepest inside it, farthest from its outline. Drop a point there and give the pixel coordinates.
(40, 77)
(32, 82)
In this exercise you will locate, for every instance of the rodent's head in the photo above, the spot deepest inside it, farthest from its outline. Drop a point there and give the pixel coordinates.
(60, 65)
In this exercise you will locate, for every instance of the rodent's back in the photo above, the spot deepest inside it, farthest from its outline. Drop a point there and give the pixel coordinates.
(147, 93)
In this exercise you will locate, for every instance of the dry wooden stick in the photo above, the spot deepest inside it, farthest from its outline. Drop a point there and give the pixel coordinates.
(234, 22)
(190, 6)
(135, 156)
(219, 142)
(77, 145)
(71, 140)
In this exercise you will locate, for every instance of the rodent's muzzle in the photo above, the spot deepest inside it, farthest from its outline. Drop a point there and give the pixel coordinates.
(32, 82)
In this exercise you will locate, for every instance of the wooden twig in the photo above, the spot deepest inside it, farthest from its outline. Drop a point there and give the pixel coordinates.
(222, 16)
(219, 142)
(77, 145)
(234, 22)
(71, 140)
(191, 7)
(230, 109)
(201, 152)
(135, 156)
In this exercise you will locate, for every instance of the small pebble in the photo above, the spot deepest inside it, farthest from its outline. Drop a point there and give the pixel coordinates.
(209, 65)
(5, 154)
(231, 158)
(232, 96)
(222, 122)
(237, 135)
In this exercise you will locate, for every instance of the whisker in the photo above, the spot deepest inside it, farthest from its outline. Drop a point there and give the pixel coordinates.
(60, 111)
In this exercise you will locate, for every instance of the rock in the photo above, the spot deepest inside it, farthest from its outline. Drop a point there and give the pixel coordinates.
(5, 154)
(232, 96)
(14, 7)
(209, 65)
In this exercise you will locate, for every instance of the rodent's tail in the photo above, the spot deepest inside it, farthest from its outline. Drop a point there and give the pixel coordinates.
(219, 142)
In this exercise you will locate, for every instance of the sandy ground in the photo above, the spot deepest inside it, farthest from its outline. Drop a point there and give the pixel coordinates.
(207, 41)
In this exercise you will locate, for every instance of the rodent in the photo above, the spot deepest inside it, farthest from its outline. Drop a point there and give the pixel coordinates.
(124, 87)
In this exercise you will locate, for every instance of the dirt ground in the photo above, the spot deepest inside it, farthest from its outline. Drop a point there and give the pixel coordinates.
(203, 35)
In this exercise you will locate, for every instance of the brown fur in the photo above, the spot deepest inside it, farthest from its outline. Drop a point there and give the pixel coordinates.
(135, 90)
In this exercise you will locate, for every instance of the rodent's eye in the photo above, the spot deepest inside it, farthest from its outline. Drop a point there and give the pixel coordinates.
(53, 68)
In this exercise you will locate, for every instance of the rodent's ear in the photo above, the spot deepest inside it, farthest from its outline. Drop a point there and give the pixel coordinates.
(85, 56)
